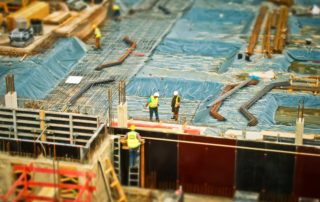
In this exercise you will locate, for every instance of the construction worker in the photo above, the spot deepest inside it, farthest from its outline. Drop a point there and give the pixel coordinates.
(153, 104)
(116, 11)
(134, 141)
(175, 105)
(97, 35)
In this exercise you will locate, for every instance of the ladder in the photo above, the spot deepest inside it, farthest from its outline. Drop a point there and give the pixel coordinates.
(114, 187)
(134, 173)
(116, 148)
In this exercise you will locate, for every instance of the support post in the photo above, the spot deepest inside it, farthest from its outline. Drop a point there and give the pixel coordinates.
(11, 95)
(15, 130)
(299, 131)
(142, 163)
(300, 125)
(42, 125)
(71, 129)
(122, 107)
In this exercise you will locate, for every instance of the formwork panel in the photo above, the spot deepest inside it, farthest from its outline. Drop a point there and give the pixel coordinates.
(307, 175)
(161, 161)
(206, 169)
(267, 172)
(279, 169)
(250, 167)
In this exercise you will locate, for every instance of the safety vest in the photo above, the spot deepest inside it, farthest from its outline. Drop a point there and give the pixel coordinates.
(97, 33)
(177, 104)
(133, 141)
(154, 102)
(115, 7)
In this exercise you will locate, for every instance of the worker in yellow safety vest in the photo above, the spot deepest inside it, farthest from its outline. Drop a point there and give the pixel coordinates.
(175, 105)
(97, 35)
(134, 141)
(153, 104)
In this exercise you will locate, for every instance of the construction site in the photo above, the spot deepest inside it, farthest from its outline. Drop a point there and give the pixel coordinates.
(234, 86)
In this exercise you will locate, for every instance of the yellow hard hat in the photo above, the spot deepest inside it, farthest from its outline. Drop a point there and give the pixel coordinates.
(132, 127)
(94, 26)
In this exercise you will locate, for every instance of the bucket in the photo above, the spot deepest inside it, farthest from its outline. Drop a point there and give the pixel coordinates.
(37, 26)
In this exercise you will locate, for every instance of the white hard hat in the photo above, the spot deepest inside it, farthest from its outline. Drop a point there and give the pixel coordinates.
(156, 94)
(175, 92)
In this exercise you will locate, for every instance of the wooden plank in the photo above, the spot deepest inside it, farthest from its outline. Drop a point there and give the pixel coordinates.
(6, 113)
(57, 132)
(6, 120)
(57, 17)
(281, 31)
(6, 126)
(266, 42)
(29, 128)
(256, 30)
(28, 122)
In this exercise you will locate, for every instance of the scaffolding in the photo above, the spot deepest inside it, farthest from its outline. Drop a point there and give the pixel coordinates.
(84, 191)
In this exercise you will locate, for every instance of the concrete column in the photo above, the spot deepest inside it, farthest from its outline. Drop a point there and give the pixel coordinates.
(299, 131)
(11, 100)
(123, 115)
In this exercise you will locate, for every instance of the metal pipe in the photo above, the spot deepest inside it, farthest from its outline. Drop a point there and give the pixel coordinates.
(244, 109)
(224, 96)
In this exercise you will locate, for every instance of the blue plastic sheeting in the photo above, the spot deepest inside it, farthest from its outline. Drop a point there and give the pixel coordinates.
(130, 2)
(249, 2)
(265, 109)
(278, 63)
(307, 2)
(313, 21)
(203, 48)
(35, 77)
(304, 54)
(200, 23)
(228, 16)
(294, 25)
(125, 4)
(182, 65)
(189, 89)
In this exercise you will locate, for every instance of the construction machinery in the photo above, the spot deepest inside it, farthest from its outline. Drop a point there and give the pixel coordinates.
(21, 37)
(8, 6)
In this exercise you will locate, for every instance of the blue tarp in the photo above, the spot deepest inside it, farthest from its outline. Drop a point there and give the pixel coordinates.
(203, 48)
(307, 2)
(313, 21)
(294, 25)
(202, 23)
(304, 54)
(37, 76)
(189, 89)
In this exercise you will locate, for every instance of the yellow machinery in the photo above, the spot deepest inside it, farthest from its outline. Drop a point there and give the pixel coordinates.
(35, 10)
(14, 5)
